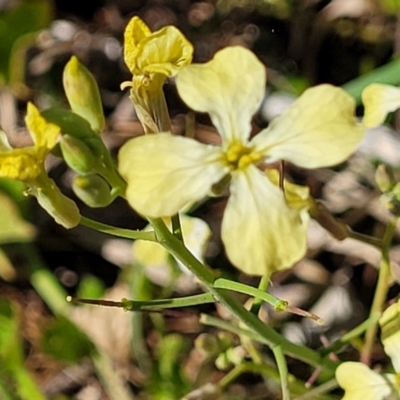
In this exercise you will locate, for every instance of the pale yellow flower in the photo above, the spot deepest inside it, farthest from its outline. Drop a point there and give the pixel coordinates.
(27, 165)
(261, 231)
(360, 382)
(162, 52)
(379, 100)
(152, 57)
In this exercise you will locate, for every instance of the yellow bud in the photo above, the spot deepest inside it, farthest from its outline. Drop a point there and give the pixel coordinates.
(77, 155)
(93, 190)
(83, 93)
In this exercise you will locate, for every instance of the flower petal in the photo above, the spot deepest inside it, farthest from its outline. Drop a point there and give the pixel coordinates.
(361, 383)
(135, 32)
(390, 336)
(230, 88)
(20, 164)
(44, 134)
(4, 144)
(165, 51)
(166, 173)
(319, 129)
(261, 233)
(379, 100)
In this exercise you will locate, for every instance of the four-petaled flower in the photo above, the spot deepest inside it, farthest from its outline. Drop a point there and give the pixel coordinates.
(262, 233)
(27, 165)
(359, 381)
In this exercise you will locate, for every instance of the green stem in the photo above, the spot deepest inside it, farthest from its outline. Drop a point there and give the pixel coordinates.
(351, 335)
(257, 302)
(176, 226)
(366, 239)
(283, 371)
(150, 305)
(114, 179)
(120, 232)
(381, 291)
(318, 392)
(221, 283)
(207, 277)
(296, 387)
(242, 368)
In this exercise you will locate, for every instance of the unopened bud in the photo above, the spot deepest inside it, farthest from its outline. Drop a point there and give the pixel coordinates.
(77, 155)
(391, 200)
(207, 344)
(93, 190)
(384, 178)
(83, 93)
(64, 211)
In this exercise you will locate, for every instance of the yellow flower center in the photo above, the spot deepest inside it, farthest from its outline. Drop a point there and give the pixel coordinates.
(239, 156)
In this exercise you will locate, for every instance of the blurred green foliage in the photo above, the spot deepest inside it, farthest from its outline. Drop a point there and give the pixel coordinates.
(16, 25)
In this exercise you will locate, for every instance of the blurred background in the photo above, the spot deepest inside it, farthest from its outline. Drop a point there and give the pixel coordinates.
(86, 352)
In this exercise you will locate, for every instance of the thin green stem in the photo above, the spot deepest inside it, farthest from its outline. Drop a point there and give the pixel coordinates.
(150, 305)
(120, 232)
(381, 291)
(296, 387)
(366, 239)
(351, 335)
(283, 371)
(221, 283)
(240, 369)
(318, 392)
(207, 277)
(257, 302)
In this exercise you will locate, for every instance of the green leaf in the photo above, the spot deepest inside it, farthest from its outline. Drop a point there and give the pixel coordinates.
(168, 381)
(64, 341)
(11, 358)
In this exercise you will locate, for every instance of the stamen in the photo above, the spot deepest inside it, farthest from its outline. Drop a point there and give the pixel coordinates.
(240, 156)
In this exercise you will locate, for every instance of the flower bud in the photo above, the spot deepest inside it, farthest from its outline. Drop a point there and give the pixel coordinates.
(64, 211)
(93, 190)
(384, 178)
(83, 93)
(77, 155)
(391, 200)
(207, 344)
